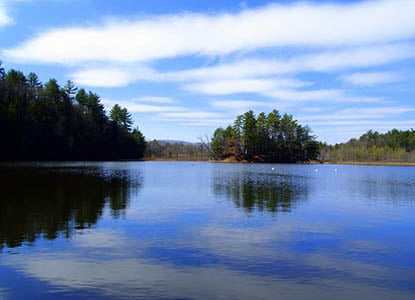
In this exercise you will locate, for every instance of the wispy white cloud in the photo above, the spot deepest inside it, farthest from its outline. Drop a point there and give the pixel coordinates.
(237, 107)
(178, 114)
(249, 75)
(103, 77)
(208, 122)
(5, 18)
(133, 106)
(326, 61)
(114, 76)
(154, 99)
(232, 86)
(239, 104)
(151, 108)
(361, 114)
(369, 124)
(296, 95)
(372, 78)
(274, 25)
(291, 97)
(196, 115)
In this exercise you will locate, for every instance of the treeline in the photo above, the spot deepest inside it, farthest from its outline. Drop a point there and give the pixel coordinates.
(265, 138)
(176, 150)
(47, 204)
(49, 122)
(393, 146)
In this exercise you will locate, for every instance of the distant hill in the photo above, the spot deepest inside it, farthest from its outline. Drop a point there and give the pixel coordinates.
(176, 142)
(177, 150)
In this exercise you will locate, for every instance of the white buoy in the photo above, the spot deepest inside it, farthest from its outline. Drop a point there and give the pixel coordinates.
(335, 169)
(273, 169)
(316, 170)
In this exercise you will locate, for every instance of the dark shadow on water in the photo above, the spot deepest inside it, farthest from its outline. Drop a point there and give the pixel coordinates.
(271, 193)
(56, 202)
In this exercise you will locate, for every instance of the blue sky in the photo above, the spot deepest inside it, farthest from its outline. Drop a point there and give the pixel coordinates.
(184, 68)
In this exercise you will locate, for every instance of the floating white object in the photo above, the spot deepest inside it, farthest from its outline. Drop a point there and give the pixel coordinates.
(316, 170)
(335, 169)
(273, 169)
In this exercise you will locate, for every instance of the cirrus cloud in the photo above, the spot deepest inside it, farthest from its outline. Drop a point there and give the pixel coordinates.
(372, 78)
(5, 19)
(275, 25)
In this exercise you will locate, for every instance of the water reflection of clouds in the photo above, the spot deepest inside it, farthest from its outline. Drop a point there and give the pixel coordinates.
(274, 245)
(255, 262)
(100, 239)
(3, 294)
(269, 251)
(136, 277)
(182, 241)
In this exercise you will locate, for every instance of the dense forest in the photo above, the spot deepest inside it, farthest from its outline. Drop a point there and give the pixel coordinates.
(49, 122)
(265, 138)
(393, 146)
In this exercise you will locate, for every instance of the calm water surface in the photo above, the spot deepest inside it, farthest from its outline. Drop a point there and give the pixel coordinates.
(206, 231)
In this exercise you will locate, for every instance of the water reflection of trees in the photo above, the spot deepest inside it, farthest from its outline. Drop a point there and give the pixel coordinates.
(49, 202)
(272, 193)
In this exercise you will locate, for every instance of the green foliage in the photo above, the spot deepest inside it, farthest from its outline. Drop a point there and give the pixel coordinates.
(48, 122)
(69, 88)
(249, 133)
(140, 141)
(121, 117)
(265, 138)
(394, 146)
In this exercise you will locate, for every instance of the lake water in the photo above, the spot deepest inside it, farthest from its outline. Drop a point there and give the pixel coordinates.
(206, 231)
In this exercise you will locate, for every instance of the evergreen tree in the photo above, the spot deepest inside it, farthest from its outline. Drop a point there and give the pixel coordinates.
(34, 84)
(52, 92)
(82, 98)
(141, 142)
(121, 117)
(115, 114)
(70, 89)
(249, 134)
(265, 138)
(262, 134)
(42, 122)
(126, 119)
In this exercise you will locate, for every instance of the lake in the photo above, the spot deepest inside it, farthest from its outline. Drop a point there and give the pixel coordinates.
(187, 230)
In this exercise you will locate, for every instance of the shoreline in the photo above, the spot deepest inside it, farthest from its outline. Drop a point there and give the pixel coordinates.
(361, 163)
(367, 163)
